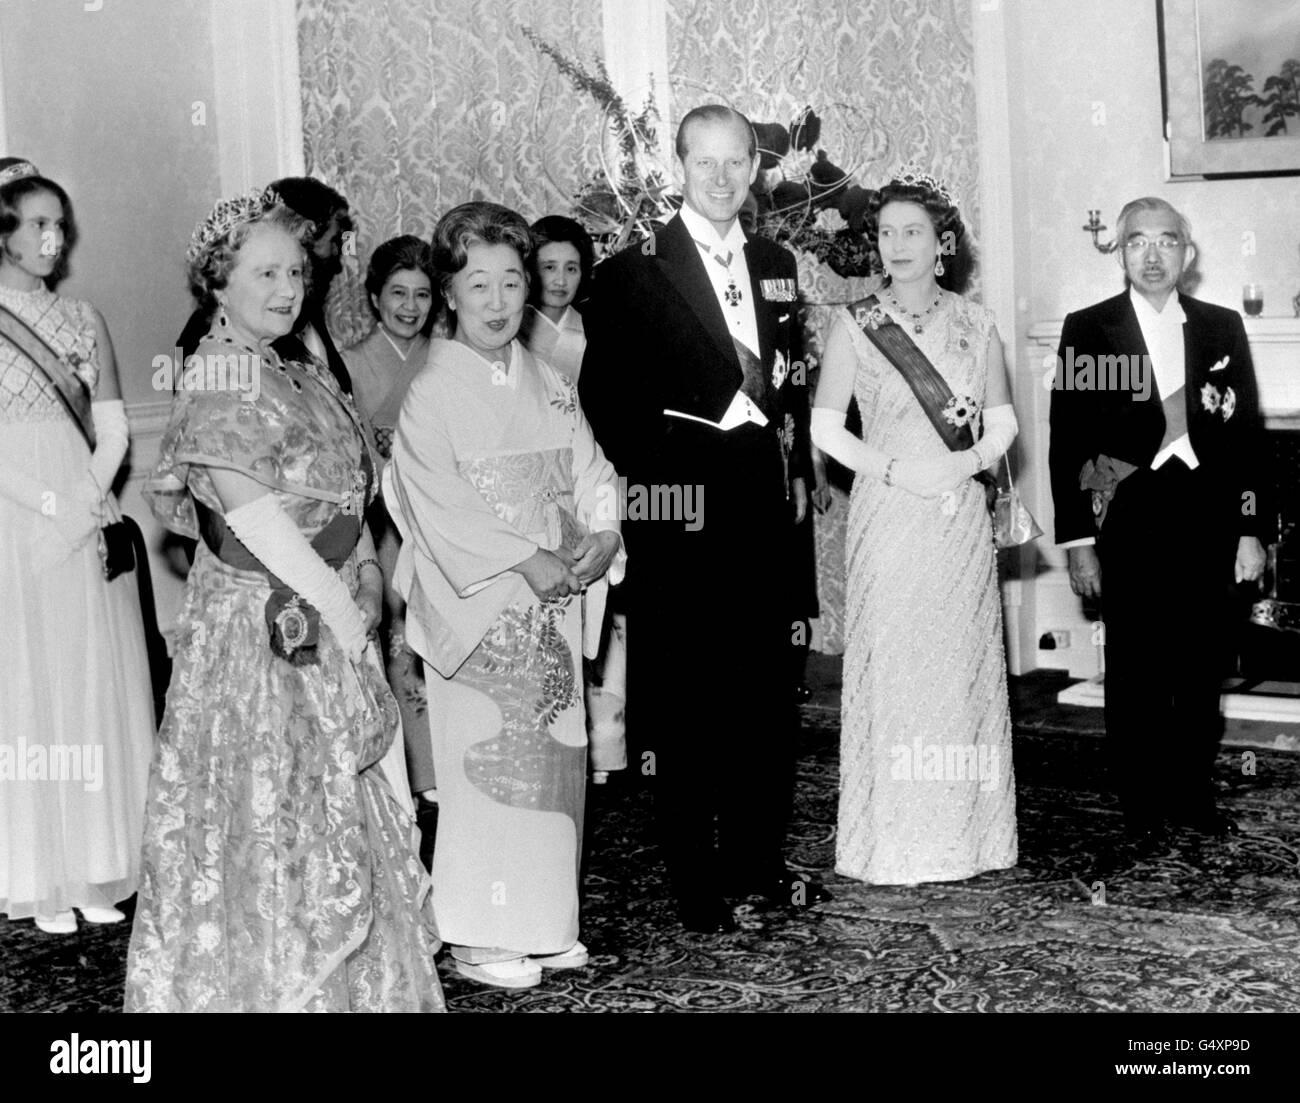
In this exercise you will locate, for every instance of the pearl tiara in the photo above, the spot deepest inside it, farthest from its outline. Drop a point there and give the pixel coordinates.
(226, 215)
(17, 172)
(912, 176)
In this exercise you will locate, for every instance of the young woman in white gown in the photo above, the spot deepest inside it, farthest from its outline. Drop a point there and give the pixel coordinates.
(76, 708)
(926, 790)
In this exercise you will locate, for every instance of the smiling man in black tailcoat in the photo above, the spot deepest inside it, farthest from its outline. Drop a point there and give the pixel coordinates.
(688, 378)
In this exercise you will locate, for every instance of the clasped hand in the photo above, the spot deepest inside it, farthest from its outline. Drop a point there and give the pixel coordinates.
(556, 575)
(932, 478)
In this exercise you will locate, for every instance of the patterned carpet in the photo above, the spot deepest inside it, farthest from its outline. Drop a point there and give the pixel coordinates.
(1084, 923)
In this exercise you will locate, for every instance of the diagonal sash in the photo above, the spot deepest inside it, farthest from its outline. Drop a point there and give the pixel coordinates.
(73, 392)
(929, 387)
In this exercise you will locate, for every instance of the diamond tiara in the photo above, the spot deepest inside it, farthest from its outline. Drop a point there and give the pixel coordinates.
(17, 172)
(912, 176)
(226, 215)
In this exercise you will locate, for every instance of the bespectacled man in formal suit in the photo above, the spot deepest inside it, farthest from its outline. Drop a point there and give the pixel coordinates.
(691, 380)
(1158, 484)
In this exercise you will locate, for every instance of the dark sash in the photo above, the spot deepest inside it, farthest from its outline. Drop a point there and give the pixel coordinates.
(929, 387)
(293, 625)
(71, 389)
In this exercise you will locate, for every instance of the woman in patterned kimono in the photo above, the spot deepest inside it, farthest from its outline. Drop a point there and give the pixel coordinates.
(400, 286)
(76, 710)
(280, 870)
(508, 512)
(926, 788)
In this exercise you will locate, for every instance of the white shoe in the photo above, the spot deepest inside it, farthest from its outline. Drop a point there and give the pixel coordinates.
(63, 923)
(93, 914)
(573, 958)
(519, 972)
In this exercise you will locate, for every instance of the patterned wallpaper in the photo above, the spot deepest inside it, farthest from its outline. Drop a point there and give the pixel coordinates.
(892, 81)
(408, 110)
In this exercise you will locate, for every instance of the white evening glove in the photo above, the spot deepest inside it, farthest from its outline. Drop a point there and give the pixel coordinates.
(829, 434)
(111, 440)
(1000, 429)
(932, 478)
(269, 533)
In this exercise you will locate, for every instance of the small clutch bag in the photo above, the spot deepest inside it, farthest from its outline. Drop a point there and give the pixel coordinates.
(116, 545)
(1013, 524)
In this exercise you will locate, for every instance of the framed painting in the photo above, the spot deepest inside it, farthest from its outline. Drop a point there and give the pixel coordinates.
(1231, 86)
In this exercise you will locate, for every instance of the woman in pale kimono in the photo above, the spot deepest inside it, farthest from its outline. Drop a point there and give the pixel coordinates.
(280, 870)
(403, 296)
(560, 272)
(76, 709)
(509, 518)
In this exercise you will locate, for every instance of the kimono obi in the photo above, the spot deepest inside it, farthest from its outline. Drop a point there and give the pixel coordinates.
(532, 492)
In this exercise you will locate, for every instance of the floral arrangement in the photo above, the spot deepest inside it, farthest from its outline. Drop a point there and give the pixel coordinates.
(622, 202)
(804, 201)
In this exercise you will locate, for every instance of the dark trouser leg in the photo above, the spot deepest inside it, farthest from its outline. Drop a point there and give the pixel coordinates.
(1162, 594)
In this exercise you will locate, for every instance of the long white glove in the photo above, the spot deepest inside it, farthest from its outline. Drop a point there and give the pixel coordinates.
(1000, 429)
(269, 533)
(927, 478)
(829, 434)
(111, 440)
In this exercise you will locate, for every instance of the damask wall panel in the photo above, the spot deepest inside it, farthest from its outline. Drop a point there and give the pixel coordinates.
(893, 80)
(411, 107)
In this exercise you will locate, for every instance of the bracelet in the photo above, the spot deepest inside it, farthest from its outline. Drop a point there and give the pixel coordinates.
(374, 562)
(889, 473)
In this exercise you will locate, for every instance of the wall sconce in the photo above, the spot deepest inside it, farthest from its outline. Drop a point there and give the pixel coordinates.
(1095, 227)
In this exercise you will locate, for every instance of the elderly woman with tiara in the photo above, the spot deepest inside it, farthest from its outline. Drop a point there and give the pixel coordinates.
(280, 871)
(926, 790)
(75, 678)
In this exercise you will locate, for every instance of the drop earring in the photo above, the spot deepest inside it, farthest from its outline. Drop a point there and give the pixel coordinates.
(938, 265)
(222, 320)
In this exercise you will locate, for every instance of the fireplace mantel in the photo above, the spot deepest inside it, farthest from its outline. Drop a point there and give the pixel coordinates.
(1274, 346)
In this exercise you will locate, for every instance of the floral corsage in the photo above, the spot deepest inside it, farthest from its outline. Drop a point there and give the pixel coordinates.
(960, 410)
(1215, 401)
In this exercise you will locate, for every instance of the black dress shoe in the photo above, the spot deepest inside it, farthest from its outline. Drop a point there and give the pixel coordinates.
(1209, 821)
(706, 917)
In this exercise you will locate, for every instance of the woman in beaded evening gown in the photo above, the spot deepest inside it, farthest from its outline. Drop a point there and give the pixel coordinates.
(926, 791)
(76, 707)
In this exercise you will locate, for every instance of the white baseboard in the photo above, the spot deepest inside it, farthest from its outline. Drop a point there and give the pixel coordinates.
(1276, 702)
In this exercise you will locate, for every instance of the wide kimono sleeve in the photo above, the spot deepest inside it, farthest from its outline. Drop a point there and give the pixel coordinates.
(454, 568)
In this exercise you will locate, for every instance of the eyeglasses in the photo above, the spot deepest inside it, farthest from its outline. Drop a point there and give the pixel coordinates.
(1165, 243)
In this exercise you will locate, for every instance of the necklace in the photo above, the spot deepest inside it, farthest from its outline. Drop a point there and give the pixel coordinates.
(400, 354)
(918, 320)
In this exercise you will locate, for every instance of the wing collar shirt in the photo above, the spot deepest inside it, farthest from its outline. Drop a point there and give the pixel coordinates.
(1162, 330)
(724, 261)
